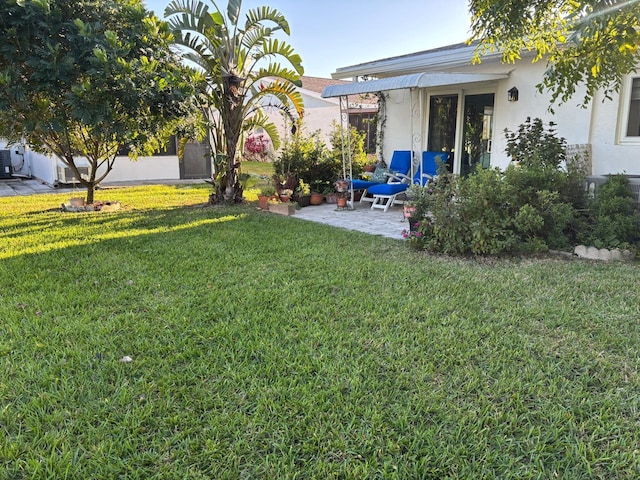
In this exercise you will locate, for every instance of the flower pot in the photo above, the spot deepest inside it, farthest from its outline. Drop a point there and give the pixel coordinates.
(331, 198)
(285, 198)
(370, 168)
(357, 195)
(263, 202)
(341, 201)
(302, 200)
(316, 198)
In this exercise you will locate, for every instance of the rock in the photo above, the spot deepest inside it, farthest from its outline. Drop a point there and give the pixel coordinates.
(604, 254)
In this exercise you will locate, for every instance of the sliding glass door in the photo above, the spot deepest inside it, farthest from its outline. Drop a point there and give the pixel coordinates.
(477, 130)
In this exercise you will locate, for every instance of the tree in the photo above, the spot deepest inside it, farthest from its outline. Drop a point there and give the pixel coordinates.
(89, 78)
(237, 61)
(589, 42)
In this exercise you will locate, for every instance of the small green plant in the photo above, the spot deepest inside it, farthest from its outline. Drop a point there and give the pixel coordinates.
(268, 191)
(303, 188)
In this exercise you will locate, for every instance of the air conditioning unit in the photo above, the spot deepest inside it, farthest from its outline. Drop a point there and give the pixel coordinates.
(5, 164)
(634, 186)
(66, 175)
(593, 183)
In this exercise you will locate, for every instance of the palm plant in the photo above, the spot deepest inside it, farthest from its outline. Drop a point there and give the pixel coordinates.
(242, 77)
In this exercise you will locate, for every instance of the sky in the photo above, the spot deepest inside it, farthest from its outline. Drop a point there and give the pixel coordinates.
(330, 34)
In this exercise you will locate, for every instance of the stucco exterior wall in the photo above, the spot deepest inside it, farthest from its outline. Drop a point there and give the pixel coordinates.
(164, 167)
(573, 122)
(612, 155)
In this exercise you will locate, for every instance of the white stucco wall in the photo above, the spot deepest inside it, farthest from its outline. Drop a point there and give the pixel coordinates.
(595, 125)
(165, 167)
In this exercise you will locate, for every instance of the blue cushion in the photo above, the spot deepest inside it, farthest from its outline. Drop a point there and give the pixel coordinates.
(387, 188)
(362, 184)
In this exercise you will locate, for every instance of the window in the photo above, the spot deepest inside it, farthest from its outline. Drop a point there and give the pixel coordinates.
(629, 126)
(633, 123)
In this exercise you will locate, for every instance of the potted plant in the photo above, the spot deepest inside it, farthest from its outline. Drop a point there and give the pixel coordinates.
(342, 190)
(285, 195)
(316, 192)
(330, 195)
(302, 195)
(265, 194)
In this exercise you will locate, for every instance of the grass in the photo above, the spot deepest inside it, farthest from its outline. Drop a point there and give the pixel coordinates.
(268, 347)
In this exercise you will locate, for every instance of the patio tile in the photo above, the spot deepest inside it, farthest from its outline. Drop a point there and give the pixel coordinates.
(375, 222)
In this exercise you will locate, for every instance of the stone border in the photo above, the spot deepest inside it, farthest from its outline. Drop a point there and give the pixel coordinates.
(614, 255)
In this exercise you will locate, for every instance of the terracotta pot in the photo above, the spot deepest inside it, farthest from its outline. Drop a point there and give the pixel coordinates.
(285, 198)
(342, 202)
(316, 198)
(370, 168)
(263, 202)
(331, 197)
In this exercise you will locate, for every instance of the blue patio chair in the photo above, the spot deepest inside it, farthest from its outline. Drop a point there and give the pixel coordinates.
(385, 195)
(400, 164)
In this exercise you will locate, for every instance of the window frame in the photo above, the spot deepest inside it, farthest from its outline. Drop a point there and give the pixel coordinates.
(623, 116)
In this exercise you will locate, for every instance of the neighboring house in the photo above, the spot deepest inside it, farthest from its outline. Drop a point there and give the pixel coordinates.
(164, 165)
(320, 113)
(437, 100)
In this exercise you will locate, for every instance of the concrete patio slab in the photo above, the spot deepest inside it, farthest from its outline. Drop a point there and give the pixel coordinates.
(361, 218)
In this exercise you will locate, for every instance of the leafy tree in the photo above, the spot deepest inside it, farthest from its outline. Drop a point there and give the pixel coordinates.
(87, 79)
(590, 42)
(237, 60)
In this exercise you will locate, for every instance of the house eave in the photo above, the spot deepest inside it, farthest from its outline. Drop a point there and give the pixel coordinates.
(444, 58)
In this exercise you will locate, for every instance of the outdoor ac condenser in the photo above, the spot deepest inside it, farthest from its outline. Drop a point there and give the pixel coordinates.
(5, 164)
(66, 175)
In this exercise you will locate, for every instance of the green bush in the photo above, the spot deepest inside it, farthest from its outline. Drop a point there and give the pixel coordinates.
(533, 205)
(612, 216)
(306, 156)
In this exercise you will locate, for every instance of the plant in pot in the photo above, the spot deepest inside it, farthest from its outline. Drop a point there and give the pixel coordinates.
(330, 195)
(285, 195)
(317, 195)
(342, 191)
(302, 194)
(265, 194)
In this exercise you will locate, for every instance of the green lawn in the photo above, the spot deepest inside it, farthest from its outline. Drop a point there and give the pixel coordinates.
(267, 347)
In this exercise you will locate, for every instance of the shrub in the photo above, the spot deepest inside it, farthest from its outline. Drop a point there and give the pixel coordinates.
(358, 156)
(612, 216)
(306, 156)
(531, 206)
(301, 156)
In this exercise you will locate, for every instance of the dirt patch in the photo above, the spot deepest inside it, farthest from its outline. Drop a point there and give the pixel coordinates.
(78, 205)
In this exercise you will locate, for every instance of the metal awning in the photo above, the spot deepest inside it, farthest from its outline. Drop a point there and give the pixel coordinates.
(415, 80)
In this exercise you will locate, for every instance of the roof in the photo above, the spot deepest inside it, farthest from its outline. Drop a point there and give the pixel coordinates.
(319, 84)
(416, 80)
(436, 59)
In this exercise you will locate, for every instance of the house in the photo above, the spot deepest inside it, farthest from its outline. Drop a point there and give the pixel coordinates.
(438, 100)
(320, 113)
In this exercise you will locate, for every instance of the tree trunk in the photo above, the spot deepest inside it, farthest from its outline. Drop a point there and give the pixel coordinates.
(91, 188)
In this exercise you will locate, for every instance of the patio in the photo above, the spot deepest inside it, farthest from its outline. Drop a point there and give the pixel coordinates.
(375, 222)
